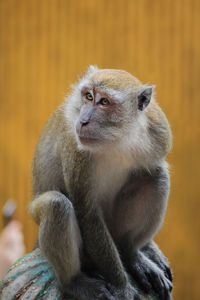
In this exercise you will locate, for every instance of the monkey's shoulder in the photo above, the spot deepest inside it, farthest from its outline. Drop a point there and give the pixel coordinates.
(159, 129)
(47, 164)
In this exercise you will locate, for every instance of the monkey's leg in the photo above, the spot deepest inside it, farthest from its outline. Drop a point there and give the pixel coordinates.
(152, 251)
(60, 242)
(142, 202)
(105, 256)
(59, 236)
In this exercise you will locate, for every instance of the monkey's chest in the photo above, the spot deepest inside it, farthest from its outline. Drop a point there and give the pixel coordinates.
(110, 176)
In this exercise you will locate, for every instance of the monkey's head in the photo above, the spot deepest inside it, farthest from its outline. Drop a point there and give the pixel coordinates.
(108, 106)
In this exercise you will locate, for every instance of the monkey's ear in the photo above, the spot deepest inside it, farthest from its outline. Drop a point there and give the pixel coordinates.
(145, 97)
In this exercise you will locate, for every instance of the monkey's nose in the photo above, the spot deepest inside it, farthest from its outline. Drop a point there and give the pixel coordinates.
(80, 125)
(84, 122)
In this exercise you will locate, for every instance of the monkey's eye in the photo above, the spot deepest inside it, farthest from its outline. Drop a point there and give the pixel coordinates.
(104, 101)
(89, 96)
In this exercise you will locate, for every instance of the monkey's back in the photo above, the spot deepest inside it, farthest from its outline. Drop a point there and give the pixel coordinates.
(47, 166)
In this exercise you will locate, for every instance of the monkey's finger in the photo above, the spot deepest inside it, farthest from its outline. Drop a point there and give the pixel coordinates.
(161, 287)
(163, 265)
(167, 290)
(158, 288)
(137, 297)
(168, 273)
(142, 280)
(144, 284)
(106, 295)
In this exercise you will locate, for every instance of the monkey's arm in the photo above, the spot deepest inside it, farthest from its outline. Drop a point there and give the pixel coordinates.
(145, 195)
(101, 249)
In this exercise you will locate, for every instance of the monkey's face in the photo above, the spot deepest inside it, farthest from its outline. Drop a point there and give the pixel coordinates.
(105, 108)
(101, 117)
(104, 117)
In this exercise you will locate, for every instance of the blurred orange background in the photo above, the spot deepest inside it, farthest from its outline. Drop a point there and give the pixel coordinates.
(46, 44)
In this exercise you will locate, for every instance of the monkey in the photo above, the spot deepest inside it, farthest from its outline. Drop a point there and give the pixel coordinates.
(101, 186)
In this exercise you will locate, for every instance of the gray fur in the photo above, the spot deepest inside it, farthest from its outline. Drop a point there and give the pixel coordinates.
(95, 201)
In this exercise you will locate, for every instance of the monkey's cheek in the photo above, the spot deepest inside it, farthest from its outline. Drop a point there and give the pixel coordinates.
(78, 128)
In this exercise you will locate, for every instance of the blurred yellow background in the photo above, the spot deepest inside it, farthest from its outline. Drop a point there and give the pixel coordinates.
(46, 44)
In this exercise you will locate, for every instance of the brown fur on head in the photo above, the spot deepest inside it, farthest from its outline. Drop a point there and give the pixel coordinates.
(114, 79)
(132, 122)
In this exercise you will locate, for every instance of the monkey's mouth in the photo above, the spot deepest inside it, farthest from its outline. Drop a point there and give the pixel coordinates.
(87, 140)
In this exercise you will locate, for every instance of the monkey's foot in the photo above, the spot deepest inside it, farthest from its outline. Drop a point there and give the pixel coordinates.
(127, 293)
(150, 277)
(155, 255)
(83, 287)
(164, 266)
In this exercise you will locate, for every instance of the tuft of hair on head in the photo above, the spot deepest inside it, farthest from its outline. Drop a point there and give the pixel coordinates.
(83, 79)
(91, 69)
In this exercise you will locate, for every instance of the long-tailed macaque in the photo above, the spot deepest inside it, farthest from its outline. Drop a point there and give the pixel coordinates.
(101, 186)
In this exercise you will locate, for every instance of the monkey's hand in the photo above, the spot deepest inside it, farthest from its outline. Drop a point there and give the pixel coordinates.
(125, 293)
(152, 251)
(150, 277)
